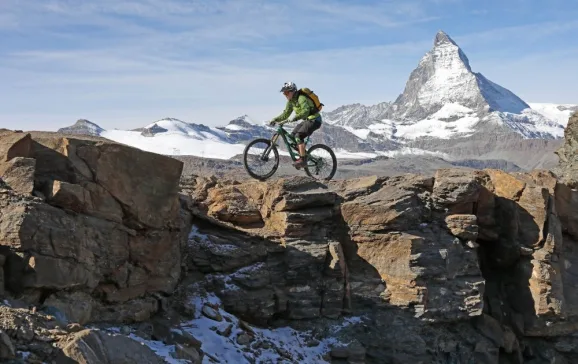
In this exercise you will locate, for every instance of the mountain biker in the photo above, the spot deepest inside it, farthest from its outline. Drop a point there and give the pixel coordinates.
(304, 109)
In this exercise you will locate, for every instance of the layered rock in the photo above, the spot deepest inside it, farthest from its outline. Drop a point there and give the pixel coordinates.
(567, 168)
(487, 247)
(87, 228)
(279, 262)
(399, 252)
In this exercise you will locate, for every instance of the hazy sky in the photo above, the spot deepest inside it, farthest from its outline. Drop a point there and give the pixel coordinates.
(124, 64)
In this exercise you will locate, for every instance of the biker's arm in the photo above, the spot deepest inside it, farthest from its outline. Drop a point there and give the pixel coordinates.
(285, 114)
(304, 107)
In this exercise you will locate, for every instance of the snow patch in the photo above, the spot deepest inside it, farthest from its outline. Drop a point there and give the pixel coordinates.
(24, 354)
(360, 133)
(560, 113)
(529, 124)
(176, 144)
(172, 125)
(414, 151)
(203, 241)
(451, 110)
(436, 128)
(180, 144)
(234, 127)
(344, 154)
(281, 342)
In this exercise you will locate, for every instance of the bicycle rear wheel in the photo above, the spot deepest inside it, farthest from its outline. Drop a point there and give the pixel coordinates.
(261, 159)
(321, 162)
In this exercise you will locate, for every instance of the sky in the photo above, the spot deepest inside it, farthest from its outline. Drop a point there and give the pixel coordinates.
(126, 63)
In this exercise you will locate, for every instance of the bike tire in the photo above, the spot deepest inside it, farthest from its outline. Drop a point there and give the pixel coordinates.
(275, 156)
(333, 161)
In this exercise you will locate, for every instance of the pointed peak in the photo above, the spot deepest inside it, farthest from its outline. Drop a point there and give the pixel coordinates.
(83, 122)
(82, 126)
(443, 38)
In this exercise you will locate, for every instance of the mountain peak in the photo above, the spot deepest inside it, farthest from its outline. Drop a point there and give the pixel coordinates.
(82, 126)
(444, 77)
(443, 38)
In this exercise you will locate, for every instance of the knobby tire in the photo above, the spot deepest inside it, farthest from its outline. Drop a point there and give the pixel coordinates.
(273, 153)
(333, 161)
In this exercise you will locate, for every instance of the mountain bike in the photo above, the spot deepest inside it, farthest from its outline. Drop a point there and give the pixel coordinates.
(266, 157)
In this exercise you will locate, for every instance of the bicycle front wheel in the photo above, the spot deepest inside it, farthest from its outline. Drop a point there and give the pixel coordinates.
(261, 159)
(321, 162)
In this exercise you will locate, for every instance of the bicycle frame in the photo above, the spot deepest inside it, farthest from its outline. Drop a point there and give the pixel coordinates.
(287, 139)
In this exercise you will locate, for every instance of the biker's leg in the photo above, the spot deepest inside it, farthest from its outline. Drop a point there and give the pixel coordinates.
(296, 130)
(301, 148)
(298, 134)
(307, 128)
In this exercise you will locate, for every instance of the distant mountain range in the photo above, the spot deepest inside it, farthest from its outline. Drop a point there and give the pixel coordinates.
(446, 110)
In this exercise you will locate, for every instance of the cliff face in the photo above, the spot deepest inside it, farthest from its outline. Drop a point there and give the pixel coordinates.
(465, 266)
(567, 168)
(486, 251)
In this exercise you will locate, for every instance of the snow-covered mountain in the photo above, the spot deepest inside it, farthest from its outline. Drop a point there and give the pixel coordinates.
(82, 126)
(444, 99)
(172, 136)
(444, 78)
(357, 115)
(168, 126)
(446, 109)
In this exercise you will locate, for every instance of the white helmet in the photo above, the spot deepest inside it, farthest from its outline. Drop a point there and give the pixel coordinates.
(288, 86)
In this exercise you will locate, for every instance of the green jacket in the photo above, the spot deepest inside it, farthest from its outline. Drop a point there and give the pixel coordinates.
(303, 107)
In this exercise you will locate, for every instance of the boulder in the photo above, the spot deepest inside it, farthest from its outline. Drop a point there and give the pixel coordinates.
(90, 346)
(87, 216)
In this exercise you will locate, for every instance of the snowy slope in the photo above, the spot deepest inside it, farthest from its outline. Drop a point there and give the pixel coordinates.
(559, 113)
(280, 345)
(172, 126)
(530, 124)
(186, 142)
(176, 143)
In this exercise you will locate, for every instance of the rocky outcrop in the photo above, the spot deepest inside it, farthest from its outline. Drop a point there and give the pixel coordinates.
(399, 252)
(279, 262)
(567, 168)
(487, 248)
(462, 266)
(89, 227)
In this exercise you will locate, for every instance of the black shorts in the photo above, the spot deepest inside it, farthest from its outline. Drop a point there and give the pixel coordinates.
(306, 128)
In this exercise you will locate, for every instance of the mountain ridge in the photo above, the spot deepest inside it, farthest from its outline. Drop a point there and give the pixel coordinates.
(443, 106)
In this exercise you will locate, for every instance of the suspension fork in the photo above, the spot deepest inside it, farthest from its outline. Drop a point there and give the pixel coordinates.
(265, 155)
